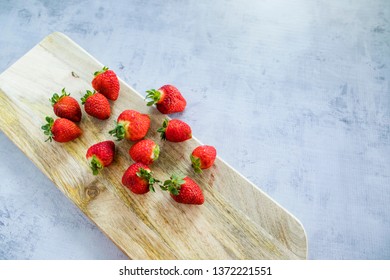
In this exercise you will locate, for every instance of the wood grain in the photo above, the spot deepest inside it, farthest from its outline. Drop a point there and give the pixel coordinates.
(237, 221)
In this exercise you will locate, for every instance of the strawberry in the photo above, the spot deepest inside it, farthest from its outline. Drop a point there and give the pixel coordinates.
(96, 105)
(175, 130)
(61, 130)
(131, 125)
(168, 99)
(65, 106)
(106, 82)
(145, 151)
(183, 190)
(202, 157)
(138, 178)
(100, 155)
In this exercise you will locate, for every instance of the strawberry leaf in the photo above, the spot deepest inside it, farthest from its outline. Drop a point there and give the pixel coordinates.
(95, 165)
(56, 97)
(154, 95)
(162, 129)
(104, 69)
(177, 180)
(156, 152)
(173, 185)
(86, 96)
(147, 176)
(118, 132)
(196, 164)
(47, 128)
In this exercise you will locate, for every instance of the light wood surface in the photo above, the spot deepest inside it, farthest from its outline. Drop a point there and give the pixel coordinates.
(237, 221)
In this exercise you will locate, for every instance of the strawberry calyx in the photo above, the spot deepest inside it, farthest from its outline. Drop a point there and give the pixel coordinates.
(147, 176)
(154, 95)
(196, 164)
(47, 128)
(104, 69)
(56, 97)
(96, 165)
(173, 185)
(156, 152)
(86, 96)
(119, 131)
(162, 129)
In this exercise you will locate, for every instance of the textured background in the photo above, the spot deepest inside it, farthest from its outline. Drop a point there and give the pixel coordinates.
(294, 94)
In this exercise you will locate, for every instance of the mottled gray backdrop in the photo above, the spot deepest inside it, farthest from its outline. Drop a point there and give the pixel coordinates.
(294, 94)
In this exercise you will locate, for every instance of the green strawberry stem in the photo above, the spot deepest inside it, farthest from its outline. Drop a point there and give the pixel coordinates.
(96, 165)
(173, 185)
(162, 129)
(86, 96)
(104, 69)
(196, 164)
(119, 131)
(154, 95)
(56, 97)
(147, 175)
(47, 128)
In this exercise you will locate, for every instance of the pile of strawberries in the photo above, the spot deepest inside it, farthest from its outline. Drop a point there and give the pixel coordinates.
(133, 126)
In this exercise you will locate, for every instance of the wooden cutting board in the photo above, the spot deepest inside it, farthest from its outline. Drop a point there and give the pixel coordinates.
(237, 220)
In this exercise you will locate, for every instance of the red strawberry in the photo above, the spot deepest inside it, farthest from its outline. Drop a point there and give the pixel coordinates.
(106, 82)
(96, 105)
(131, 125)
(184, 190)
(175, 130)
(202, 157)
(100, 155)
(138, 178)
(65, 106)
(168, 99)
(61, 130)
(144, 151)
